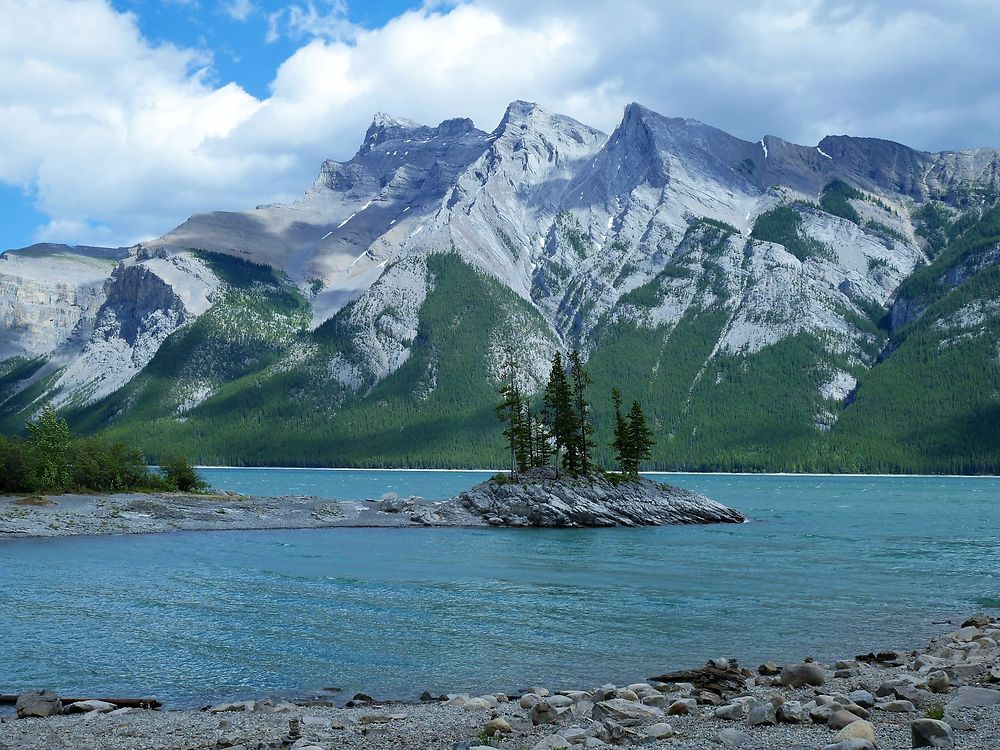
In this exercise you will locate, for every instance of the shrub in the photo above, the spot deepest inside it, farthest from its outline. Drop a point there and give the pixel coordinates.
(95, 463)
(181, 475)
(935, 712)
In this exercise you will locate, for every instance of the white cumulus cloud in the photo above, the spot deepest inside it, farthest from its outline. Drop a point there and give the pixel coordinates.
(117, 138)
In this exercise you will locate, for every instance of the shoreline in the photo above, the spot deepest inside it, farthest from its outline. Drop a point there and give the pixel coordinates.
(799, 704)
(134, 513)
(643, 473)
(540, 501)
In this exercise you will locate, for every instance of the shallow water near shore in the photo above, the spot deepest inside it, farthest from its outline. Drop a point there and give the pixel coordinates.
(831, 566)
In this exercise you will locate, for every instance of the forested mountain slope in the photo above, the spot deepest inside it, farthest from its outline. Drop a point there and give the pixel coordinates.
(774, 306)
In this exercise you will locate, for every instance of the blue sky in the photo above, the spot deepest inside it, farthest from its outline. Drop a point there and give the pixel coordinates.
(238, 47)
(121, 118)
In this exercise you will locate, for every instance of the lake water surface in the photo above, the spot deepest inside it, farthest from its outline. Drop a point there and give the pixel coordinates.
(830, 567)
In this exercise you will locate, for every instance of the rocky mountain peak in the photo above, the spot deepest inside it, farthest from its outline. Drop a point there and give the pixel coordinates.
(557, 139)
(456, 126)
(519, 111)
(384, 128)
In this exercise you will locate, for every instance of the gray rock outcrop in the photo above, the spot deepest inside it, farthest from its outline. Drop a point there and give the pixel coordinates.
(38, 704)
(538, 498)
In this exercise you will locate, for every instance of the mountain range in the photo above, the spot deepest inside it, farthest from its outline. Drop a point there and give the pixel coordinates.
(773, 306)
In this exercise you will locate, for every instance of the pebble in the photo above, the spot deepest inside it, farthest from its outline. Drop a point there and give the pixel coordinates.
(660, 731)
(682, 707)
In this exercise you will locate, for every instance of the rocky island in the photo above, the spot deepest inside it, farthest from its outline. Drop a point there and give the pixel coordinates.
(537, 499)
(543, 497)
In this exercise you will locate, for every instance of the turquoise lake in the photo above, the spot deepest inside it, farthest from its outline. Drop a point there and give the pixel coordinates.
(830, 566)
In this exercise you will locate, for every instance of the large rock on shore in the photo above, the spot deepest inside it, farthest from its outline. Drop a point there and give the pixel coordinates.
(539, 498)
(38, 704)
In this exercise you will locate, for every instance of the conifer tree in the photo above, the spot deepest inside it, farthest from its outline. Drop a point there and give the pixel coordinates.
(620, 443)
(524, 449)
(558, 400)
(583, 429)
(640, 438)
(542, 448)
(509, 410)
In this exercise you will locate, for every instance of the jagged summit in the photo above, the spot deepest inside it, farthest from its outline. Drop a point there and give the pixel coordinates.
(385, 120)
(519, 110)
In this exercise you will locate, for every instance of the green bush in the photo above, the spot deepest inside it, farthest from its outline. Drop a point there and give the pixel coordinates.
(181, 475)
(109, 466)
(52, 459)
(935, 712)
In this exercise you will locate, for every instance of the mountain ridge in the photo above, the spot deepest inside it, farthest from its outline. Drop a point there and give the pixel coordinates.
(666, 232)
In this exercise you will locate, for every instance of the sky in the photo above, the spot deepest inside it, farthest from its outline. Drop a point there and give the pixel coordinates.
(121, 118)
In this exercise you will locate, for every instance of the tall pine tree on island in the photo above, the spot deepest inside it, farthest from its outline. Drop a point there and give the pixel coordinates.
(633, 439)
(640, 439)
(584, 429)
(620, 442)
(510, 411)
(559, 416)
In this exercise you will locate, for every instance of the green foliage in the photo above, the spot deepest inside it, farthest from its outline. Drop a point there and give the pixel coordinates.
(935, 712)
(632, 438)
(99, 465)
(885, 231)
(938, 225)
(639, 441)
(583, 441)
(52, 459)
(620, 439)
(718, 224)
(180, 475)
(836, 199)
(879, 264)
(558, 415)
(50, 439)
(569, 228)
(282, 407)
(783, 225)
(488, 739)
(931, 404)
(961, 258)
(511, 412)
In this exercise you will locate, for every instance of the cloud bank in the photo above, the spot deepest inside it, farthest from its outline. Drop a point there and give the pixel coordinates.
(118, 139)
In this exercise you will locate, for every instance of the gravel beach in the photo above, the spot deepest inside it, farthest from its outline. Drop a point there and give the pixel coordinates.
(881, 700)
(137, 513)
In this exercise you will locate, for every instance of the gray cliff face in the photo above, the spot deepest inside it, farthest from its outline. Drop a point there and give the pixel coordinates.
(110, 312)
(49, 296)
(575, 222)
(136, 297)
(539, 499)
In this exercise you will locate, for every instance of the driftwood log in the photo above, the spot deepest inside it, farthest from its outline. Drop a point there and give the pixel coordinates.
(120, 702)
